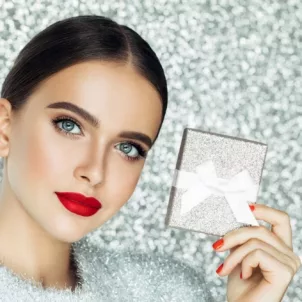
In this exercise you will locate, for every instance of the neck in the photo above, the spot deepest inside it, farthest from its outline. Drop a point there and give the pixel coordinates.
(25, 248)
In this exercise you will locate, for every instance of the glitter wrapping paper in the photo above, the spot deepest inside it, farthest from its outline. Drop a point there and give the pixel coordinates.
(211, 169)
(233, 67)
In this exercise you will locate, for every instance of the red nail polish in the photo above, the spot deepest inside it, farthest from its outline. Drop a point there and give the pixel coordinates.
(219, 268)
(217, 244)
(241, 275)
(252, 207)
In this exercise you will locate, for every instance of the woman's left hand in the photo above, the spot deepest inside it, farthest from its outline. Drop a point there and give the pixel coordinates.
(269, 253)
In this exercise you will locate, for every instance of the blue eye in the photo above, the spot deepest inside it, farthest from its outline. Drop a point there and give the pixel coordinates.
(68, 124)
(129, 146)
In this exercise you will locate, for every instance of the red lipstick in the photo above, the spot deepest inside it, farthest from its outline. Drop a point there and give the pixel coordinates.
(78, 203)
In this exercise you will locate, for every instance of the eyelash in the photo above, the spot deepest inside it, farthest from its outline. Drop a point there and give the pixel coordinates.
(142, 152)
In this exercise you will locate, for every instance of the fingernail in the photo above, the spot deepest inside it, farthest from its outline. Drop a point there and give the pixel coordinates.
(241, 275)
(252, 207)
(216, 245)
(219, 268)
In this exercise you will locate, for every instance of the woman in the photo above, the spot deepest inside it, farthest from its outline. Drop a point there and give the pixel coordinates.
(80, 109)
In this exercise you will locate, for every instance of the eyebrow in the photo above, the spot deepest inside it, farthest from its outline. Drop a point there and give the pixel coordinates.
(93, 121)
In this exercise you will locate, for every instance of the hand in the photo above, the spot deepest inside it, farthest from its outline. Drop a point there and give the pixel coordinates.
(265, 258)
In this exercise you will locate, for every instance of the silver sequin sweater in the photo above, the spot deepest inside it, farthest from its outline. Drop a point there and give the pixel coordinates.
(114, 276)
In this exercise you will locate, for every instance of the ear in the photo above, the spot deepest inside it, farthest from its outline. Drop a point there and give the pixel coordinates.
(5, 126)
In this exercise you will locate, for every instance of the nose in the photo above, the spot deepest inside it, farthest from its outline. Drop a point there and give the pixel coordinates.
(92, 180)
(93, 170)
(93, 176)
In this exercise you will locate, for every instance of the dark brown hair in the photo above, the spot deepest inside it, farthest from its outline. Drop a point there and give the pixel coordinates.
(78, 39)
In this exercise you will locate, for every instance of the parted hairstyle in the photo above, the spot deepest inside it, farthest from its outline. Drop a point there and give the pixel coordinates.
(79, 39)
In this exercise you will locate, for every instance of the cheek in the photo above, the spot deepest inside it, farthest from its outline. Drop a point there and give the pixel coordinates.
(45, 159)
(30, 161)
(123, 182)
(36, 155)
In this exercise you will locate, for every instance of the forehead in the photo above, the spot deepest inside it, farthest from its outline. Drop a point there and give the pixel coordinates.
(111, 91)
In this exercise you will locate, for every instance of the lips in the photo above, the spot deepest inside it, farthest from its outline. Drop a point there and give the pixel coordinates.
(78, 203)
(77, 197)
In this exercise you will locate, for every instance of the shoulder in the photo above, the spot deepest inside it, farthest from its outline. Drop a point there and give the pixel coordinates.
(147, 276)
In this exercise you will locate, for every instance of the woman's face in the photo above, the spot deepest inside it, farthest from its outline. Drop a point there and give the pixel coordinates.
(92, 161)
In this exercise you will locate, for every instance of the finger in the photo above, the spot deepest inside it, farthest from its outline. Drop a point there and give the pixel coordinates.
(273, 271)
(254, 244)
(244, 234)
(279, 220)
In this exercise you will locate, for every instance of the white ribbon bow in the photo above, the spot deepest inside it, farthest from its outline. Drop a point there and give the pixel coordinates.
(238, 190)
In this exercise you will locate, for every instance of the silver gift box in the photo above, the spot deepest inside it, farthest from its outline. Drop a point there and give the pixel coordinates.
(215, 179)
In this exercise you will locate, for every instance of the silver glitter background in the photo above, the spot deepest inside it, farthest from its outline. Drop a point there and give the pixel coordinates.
(233, 67)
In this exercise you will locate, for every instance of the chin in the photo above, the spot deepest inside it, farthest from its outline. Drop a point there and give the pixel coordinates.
(67, 231)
